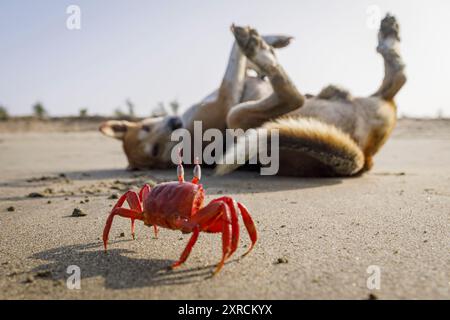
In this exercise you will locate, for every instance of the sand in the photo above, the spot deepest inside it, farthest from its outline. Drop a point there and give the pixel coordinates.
(325, 232)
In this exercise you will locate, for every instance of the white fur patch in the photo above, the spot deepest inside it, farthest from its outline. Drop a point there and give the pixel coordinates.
(142, 135)
(148, 148)
(265, 58)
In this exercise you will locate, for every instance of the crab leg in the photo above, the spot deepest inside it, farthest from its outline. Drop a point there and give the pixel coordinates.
(188, 248)
(134, 202)
(226, 238)
(123, 212)
(215, 217)
(234, 222)
(248, 222)
(249, 225)
(143, 193)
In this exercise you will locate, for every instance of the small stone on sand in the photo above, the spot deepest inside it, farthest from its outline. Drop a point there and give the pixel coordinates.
(114, 196)
(11, 209)
(77, 212)
(372, 297)
(43, 274)
(281, 261)
(35, 195)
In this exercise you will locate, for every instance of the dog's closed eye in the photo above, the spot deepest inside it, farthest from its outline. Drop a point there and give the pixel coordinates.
(155, 150)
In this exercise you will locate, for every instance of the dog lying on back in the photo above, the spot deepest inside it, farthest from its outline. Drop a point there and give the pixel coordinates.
(331, 134)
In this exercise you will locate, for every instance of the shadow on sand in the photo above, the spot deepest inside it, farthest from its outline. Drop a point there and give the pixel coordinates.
(236, 182)
(118, 270)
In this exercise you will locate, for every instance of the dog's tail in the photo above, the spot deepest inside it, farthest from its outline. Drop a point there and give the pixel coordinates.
(325, 143)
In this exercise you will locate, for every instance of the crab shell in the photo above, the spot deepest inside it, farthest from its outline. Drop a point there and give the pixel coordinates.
(172, 204)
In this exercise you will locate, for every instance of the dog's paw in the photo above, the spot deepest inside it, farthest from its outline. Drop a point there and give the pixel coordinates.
(254, 47)
(389, 28)
(278, 41)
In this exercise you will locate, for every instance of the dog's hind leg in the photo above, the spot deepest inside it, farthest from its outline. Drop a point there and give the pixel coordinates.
(388, 47)
(214, 109)
(285, 98)
(232, 86)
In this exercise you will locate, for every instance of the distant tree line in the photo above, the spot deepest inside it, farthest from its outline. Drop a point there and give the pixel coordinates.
(3, 113)
(161, 109)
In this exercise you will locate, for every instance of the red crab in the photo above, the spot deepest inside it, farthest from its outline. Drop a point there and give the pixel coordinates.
(178, 205)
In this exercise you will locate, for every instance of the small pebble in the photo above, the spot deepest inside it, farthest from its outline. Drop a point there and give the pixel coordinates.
(49, 201)
(114, 196)
(372, 297)
(81, 201)
(35, 195)
(122, 234)
(11, 209)
(77, 212)
(43, 274)
(282, 260)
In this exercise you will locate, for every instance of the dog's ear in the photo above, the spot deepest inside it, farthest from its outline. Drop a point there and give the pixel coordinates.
(115, 128)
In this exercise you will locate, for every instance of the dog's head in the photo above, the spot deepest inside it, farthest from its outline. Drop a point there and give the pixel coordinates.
(146, 143)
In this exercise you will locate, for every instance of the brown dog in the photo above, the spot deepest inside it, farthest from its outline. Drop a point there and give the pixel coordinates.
(330, 134)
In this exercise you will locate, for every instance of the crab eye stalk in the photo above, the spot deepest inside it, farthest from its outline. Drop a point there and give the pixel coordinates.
(197, 172)
(180, 169)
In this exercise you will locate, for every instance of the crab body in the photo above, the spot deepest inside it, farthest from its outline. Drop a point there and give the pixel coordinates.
(178, 205)
(172, 204)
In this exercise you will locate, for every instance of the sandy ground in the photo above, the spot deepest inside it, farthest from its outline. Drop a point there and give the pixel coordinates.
(327, 231)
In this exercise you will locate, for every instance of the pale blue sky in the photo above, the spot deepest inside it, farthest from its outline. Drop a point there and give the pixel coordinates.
(152, 51)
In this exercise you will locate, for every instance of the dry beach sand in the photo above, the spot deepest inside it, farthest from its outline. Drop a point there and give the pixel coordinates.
(317, 237)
